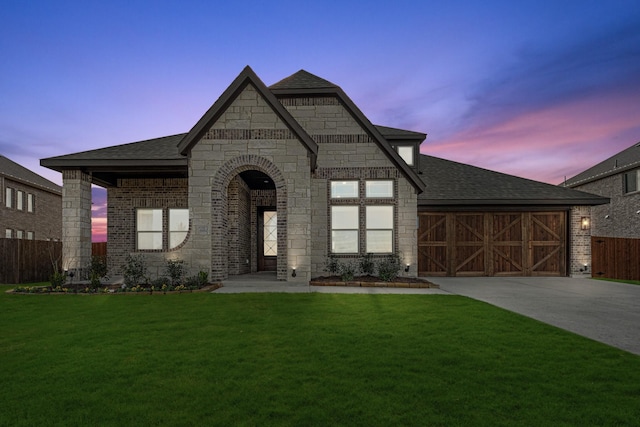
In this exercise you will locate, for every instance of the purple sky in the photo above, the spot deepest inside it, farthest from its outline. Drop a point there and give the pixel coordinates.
(539, 89)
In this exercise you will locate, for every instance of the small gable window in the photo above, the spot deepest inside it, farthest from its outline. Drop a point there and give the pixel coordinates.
(406, 152)
(631, 181)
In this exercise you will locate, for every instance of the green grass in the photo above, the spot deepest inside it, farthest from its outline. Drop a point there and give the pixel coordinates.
(300, 359)
(631, 282)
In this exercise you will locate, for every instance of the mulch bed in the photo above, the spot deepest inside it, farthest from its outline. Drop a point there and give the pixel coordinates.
(372, 281)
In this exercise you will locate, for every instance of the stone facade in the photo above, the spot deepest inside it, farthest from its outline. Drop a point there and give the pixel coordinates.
(76, 221)
(620, 217)
(579, 242)
(38, 219)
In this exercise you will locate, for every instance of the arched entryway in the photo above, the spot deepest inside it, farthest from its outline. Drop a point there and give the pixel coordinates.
(249, 214)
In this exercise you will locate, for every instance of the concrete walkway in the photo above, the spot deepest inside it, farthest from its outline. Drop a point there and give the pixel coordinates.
(608, 312)
(267, 282)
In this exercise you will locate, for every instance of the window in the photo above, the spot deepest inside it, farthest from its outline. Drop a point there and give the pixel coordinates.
(8, 233)
(631, 181)
(344, 189)
(19, 234)
(149, 228)
(379, 220)
(29, 202)
(19, 200)
(406, 152)
(8, 199)
(379, 189)
(30, 235)
(270, 233)
(344, 229)
(178, 226)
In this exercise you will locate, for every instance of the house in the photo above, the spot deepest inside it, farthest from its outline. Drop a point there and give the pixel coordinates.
(617, 178)
(277, 178)
(31, 205)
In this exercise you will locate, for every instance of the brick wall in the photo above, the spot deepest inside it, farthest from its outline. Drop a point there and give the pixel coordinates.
(618, 218)
(239, 214)
(123, 200)
(45, 222)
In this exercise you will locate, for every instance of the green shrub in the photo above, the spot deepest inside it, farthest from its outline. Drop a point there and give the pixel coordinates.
(97, 270)
(367, 265)
(332, 265)
(134, 270)
(389, 267)
(347, 271)
(197, 281)
(175, 271)
(58, 279)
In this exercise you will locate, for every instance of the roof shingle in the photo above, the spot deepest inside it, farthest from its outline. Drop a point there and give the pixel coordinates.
(453, 183)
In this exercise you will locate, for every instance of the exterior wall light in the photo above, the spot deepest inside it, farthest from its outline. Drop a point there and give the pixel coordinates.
(585, 223)
(293, 273)
(406, 269)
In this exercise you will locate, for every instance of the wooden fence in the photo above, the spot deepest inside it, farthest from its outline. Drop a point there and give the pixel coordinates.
(615, 258)
(99, 249)
(25, 261)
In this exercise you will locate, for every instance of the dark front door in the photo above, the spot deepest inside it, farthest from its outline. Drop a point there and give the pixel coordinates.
(267, 240)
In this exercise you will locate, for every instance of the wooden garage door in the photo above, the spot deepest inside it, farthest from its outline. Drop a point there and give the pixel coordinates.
(492, 244)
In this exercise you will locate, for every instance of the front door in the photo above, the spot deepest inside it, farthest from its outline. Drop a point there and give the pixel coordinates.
(267, 239)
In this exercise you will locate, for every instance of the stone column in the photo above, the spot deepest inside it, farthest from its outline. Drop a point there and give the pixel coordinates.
(580, 242)
(76, 221)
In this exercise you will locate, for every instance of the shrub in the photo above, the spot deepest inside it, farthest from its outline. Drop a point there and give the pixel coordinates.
(347, 271)
(389, 267)
(134, 270)
(197, 281)
(175, 271)
(367, 266)
(58, 279)
(332, 265)
(97, 270)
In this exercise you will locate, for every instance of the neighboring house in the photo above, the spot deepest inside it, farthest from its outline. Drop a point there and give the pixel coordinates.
(278, 178)
(31, 206)
(617, 178)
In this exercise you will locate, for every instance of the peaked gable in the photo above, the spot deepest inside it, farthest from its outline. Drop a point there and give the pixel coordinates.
(246, 77)
(304, 83)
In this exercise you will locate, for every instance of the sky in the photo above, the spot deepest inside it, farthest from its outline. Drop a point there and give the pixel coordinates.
(539, 89)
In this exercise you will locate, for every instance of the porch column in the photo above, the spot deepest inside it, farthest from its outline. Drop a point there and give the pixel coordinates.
(76, 221)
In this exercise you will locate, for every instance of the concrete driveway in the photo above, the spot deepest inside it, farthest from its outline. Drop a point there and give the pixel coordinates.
(608, 312)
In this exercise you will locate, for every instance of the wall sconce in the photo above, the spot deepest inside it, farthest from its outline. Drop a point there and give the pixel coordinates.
(293, 273)
(406, 269)
(585, 223)
(585, 268)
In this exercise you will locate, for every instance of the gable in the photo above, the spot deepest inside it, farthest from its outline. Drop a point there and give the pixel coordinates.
(327, 103)
(229, 96)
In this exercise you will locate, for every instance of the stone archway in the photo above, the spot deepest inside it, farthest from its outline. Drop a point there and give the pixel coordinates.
(220, 207)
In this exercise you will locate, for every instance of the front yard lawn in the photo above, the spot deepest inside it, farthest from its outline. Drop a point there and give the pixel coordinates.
(300, 359)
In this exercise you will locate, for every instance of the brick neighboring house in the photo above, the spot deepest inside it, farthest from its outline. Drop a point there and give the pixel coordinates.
(277, 178)
(31, 206)
(617, 178)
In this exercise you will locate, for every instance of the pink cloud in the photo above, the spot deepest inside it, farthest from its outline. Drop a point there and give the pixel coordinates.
(551, 143)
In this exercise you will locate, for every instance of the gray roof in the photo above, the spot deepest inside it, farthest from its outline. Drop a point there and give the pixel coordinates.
(395, 133)
(621, 162)
(449, 183)
(302, 80)
(16, 172)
